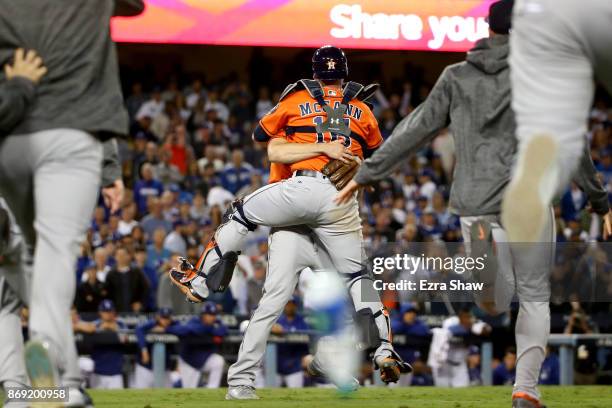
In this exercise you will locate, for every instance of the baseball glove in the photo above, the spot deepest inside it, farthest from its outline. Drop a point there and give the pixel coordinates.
(340, 173)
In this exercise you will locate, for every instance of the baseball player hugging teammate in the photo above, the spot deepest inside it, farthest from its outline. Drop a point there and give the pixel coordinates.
(319, 126)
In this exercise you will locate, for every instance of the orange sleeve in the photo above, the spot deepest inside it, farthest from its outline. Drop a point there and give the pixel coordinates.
(274, 122)
(374, 138)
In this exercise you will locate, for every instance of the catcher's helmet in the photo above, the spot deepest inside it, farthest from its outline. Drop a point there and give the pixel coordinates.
(329, 62)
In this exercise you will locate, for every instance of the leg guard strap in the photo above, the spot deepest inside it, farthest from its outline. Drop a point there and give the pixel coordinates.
(239, 217)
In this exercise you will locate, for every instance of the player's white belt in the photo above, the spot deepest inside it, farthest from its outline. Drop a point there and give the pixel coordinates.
(309, 173)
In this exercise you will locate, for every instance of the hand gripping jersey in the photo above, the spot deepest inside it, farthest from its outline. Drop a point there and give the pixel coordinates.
(310, 113)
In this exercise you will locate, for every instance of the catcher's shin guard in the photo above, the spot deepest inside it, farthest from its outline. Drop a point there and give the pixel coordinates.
(375, 328)
(219, 275)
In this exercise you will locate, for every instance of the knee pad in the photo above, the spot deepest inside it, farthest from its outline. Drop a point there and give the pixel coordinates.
(236, 212)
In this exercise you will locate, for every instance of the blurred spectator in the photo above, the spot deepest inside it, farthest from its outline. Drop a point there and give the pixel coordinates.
(195, 94)
(428, 187)
(572, 202)
(155, 219)
(211, 157)
(175, 241)
(180, 153)
(91, 292)
(127, 222)
(198, 210)
(152, 107)
(197, 357)
(213, 103)
(236, 174)
(167, 172)
(549, 374)
(151, 274)
(148, 186)
(157, 254)
(473, 362)
(126, 285)
(101, 263)
(254, 185)
(255, 285)
(505, 372)
(218, 197)
(135, 100)
(585, 359)
(264, 103)
(289, 362)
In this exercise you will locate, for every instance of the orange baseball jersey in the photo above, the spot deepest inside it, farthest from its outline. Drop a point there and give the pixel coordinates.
(278, 172)
(297, 114)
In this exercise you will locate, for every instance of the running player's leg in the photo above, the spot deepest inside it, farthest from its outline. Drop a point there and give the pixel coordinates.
(15, 269)
(594, 20)
(12, 367)
(552, 88)
(66, 183)
(484, 236)
(532, 268)
(290, 250)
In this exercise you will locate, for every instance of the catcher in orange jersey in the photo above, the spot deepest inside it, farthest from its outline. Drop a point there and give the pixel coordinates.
(321, 128)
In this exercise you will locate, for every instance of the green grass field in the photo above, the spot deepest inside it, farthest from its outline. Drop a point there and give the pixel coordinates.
(414, 397)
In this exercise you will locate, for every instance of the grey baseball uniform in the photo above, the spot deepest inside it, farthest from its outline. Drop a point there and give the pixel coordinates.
(473, 99)
(50, 164)
(558, 47)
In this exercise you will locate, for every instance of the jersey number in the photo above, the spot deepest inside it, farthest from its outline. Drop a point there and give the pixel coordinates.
(318, 120)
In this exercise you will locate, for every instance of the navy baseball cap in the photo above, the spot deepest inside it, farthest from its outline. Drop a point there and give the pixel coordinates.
(106, 306)
(408, 307)
(500, 16)
(474, 350)
(208, 308)
(164, 312)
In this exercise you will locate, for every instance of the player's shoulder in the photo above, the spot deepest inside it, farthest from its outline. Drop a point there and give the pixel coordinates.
(294, 90)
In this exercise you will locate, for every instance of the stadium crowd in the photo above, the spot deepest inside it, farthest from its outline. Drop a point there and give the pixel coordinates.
(190, 152)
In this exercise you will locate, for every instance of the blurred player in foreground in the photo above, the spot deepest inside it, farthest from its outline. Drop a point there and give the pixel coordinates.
(16, 94)
(51, 162)
(473, 98)
(558, 47)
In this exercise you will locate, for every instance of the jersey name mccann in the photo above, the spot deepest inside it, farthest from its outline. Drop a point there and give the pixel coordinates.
(308, 108)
